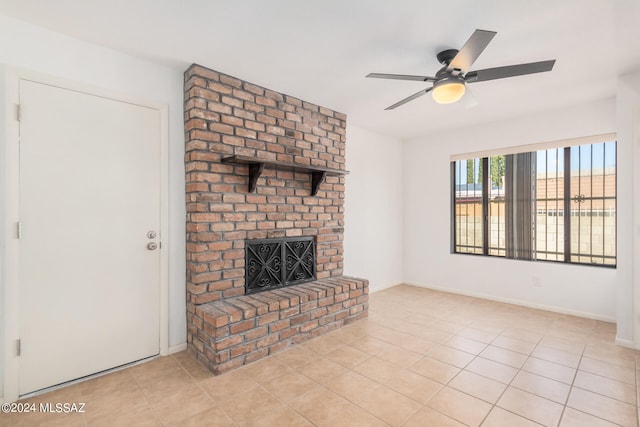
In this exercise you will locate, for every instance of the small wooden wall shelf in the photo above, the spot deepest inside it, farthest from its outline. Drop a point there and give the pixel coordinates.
(256, 166)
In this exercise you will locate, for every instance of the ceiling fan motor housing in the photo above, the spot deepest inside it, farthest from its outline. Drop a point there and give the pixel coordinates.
(446, 56)
(448, 78)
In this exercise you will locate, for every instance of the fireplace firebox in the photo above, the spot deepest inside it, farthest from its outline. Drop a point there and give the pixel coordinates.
(275, 263)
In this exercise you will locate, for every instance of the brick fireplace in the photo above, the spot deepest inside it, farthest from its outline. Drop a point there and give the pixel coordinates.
(261, 165)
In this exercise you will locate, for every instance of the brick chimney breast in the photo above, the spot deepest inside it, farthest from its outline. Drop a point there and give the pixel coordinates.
(226, 116)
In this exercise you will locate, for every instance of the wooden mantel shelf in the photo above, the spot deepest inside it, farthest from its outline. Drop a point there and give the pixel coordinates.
(256, 166)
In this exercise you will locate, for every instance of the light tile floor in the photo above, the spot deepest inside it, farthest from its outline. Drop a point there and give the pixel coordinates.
(422, 358)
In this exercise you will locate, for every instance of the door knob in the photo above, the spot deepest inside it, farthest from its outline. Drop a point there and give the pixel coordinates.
(152, 246)
(152, 234)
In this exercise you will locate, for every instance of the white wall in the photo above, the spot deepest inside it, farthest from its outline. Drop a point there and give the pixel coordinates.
(628, 129)
(38, 50)
(373, 208)
(3, 237)
(582, 290)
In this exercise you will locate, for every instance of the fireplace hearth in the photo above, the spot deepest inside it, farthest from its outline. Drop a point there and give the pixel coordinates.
(275, 263)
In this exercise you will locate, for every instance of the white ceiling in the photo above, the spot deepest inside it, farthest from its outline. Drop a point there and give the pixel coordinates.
(320, 50)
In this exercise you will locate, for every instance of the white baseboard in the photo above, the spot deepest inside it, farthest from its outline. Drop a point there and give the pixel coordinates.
(383, 287)
(626, 343)
(177, 348)
(523, 303)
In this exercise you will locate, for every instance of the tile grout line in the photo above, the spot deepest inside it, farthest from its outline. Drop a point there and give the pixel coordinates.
(422, 405)
(571, 387)
(509, 385)
(329, 390)
(197, 383)
(350, 370)
(451, 379)
(493, 405)
(146, 398)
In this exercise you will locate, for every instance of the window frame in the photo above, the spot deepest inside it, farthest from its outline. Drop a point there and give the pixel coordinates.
(566, 199)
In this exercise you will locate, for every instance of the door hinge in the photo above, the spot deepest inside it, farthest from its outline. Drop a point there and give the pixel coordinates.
(19, 229)
(19, 112)
(19, 347)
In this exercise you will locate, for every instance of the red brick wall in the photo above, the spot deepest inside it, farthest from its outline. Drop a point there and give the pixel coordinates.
(226, 116)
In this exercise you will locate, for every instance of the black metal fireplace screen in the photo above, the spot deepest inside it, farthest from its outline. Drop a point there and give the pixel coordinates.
(274, 263)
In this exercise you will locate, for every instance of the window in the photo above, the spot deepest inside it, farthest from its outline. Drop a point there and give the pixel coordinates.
(468, 206)
(524, 205)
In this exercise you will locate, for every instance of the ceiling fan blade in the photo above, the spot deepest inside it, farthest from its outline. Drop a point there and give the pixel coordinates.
(409, 98)
(471, 50)
(401, 77)
(509, 71)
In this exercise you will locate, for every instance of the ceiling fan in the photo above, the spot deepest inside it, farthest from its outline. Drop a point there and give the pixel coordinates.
(449, 82)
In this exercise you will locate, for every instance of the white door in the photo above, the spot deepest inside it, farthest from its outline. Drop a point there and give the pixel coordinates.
(89, 194)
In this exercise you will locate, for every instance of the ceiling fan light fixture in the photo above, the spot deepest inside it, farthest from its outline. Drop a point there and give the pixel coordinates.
(448, 91)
